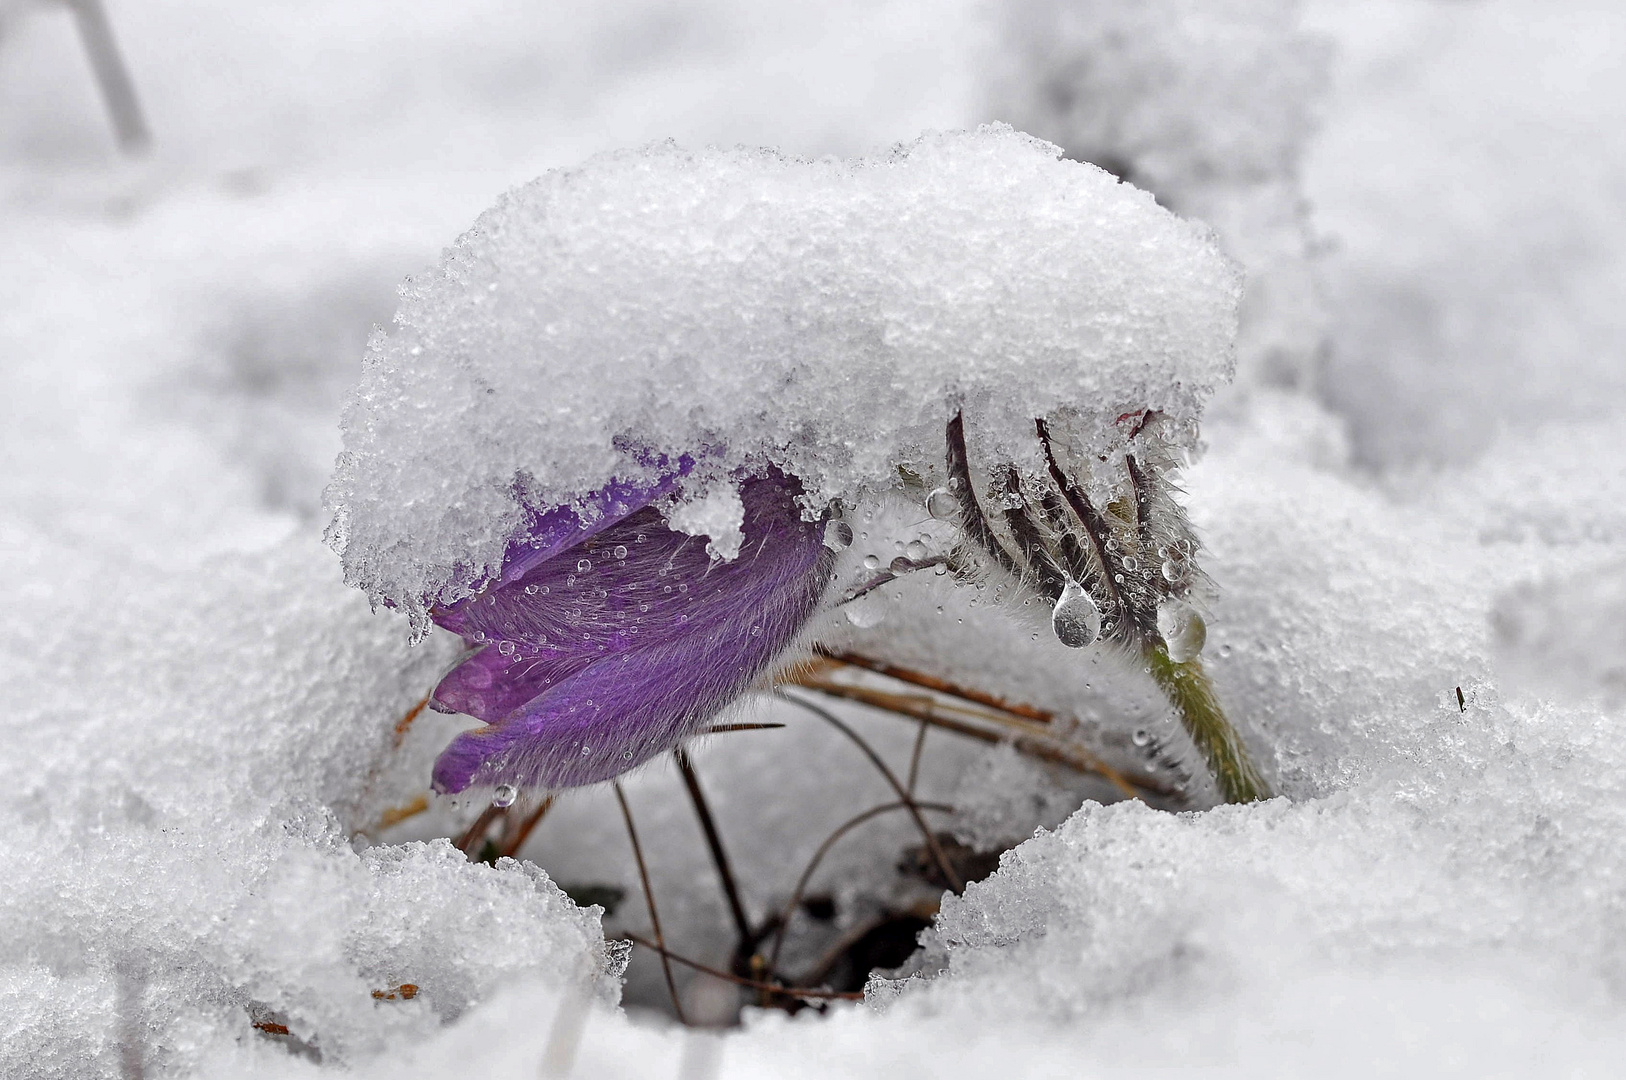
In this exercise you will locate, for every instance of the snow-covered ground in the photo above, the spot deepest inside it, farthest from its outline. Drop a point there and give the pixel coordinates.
(1412, 500)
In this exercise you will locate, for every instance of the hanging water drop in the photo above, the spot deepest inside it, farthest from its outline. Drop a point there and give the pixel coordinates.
(1076, 620)
(1182, 628)
(942, 505)
(900, 565)
(837, 535)
(506, 648)
(915, 551)
(504, 795)
(1171, 571)
(866, 611)
(872, 562)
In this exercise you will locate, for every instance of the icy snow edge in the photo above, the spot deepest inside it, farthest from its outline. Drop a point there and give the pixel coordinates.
(746, 307)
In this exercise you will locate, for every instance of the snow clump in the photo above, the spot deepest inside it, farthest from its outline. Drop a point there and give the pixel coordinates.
(744, 308)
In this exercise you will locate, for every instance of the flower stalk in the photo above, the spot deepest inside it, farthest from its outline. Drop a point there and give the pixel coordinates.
(1123, 575)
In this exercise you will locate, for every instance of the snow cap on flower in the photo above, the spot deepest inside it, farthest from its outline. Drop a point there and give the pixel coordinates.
(749, 310)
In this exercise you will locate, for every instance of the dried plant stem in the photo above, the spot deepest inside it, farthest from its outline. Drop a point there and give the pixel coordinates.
(397, 814)
(1025, 736)
(405, 723)
(516, 836)
(914, 757)
(649, 901)
(1192, 695)
(112, 76)
(714, 842)
(469, 842)
(943, 865)
(738, 980)
(932, 682)
(841, 830)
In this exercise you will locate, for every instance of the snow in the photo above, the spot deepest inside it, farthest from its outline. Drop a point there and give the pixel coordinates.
(827, 317)
(1424, 498)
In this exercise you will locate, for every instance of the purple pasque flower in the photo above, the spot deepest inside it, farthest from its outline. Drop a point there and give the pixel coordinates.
(601, 646)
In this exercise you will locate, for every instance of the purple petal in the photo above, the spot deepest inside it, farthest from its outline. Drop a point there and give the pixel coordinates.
(663, 635)
(490, 684)
(562, 528)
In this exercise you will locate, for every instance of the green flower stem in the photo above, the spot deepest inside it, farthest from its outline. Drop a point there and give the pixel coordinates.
(1192, 695)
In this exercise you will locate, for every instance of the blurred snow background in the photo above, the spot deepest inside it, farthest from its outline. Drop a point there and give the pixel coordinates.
(1416, 487)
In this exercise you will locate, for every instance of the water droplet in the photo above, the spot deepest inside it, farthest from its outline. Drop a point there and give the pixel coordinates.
(915, 550)
(506, 648)
(1171, 571)
(1076, 620)
(504, 795)
(1119, 578)
(643, 607)
(626, 755)
(901, 565)
(1141, 737)
(683, 586)
(1131, 563)
(643, 538)
(586, 750)
(620, 551)
(530, 590)
(666, 588)
(583, 565)
(1182, 628)
(838, 535)
(756, 631)
(867, 611)
(872, 562)
(942, 505)
(546, 589)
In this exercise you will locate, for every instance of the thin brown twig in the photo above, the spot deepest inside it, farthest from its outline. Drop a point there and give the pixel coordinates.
(740, 980)
(112, 75)
(714, 842)
(1028, 738)
(649, 901)
(515, 838)
(858, 740)
(914, 756)
(843, 829)
(719, 729)
(405, 722)
(467, 843)
(932, 682)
